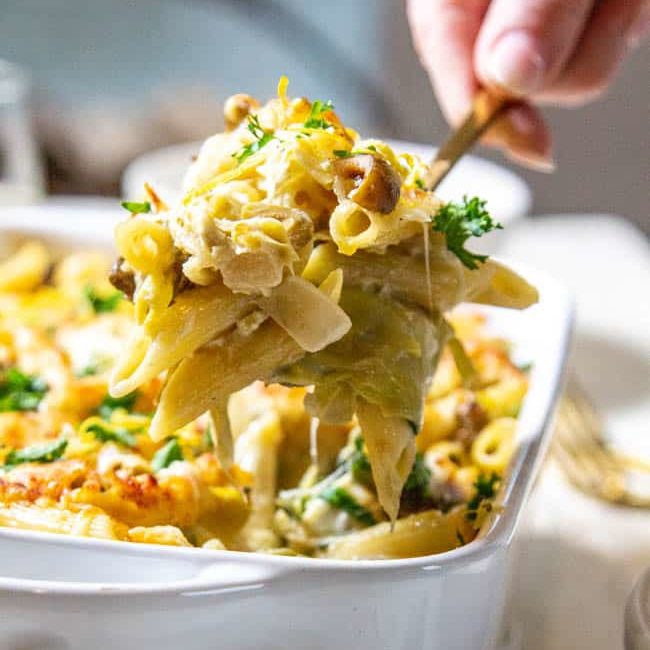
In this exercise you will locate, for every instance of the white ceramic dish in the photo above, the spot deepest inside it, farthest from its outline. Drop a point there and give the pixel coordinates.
(507, 194)
(61, 593)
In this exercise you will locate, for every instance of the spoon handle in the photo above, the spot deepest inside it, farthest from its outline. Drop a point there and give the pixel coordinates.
(485, 109)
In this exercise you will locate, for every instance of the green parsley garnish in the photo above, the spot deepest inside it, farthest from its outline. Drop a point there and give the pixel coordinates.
(102, 304)
(316, 119)
(459, 222)
(110, 404)
(114, 434)
(420, 183)
(87, 371)
(262, 138)
(344, 153)
(340, 498)
(38, 454)
(166, 455)
(359, 463)
(135, 207)
(485, 488)
(208, 440)
(20, 392)
(419, 478)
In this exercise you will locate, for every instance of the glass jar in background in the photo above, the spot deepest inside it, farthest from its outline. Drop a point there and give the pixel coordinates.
(637, 615)
(21, 174)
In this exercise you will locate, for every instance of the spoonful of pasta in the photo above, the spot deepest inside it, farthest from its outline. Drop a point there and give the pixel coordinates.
(297, 257)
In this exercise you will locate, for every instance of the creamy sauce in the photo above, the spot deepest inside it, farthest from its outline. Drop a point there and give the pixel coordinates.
(313, 440)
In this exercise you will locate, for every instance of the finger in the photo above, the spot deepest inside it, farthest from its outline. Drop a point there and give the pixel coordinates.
(524, 45)
(444, 33)
(522, 134)
(599, 53)
(641, 26)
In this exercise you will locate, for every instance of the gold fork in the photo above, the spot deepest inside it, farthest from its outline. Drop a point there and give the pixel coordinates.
(587, 461)
(486, 109)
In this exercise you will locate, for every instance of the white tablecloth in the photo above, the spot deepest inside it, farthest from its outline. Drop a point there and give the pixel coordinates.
(577, 558)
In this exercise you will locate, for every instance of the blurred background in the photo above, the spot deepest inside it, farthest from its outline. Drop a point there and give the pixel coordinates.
(113, 79)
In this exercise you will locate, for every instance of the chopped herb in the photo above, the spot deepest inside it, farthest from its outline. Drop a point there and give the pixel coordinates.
(37, 454)
(340, 498)
(420, 183)
(103, 304)
(525, 367)
(20, 392)
(166, 455)
(134, 207)
(485, 489)
(115, 434)
(208, 440)
(459, 222)
(419, 478)
(344, 153)
(359, 463)
(87, 371)
(460, 538)
(110, 404)
(316, 119)
(262, 138)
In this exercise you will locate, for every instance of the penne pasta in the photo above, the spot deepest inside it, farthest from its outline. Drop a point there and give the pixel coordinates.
(425, 533)
(257, 453)
(78, 521)
(25, 269)
(196, 317)
(212, 374)
(450, 283)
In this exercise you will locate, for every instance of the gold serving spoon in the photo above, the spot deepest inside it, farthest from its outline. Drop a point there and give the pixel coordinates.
(486, 108)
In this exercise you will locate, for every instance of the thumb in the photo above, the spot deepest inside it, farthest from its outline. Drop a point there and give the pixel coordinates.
(444, 33)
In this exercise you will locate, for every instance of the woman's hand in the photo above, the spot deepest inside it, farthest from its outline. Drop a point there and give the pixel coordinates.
(563, 52)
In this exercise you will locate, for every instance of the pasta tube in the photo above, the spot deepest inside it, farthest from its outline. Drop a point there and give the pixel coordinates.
(450, 282)
(196, 317)
(25, 269)
(424, 533)
(494, 445)
(211, 374)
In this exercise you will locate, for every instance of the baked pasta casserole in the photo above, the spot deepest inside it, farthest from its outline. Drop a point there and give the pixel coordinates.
(273, 366)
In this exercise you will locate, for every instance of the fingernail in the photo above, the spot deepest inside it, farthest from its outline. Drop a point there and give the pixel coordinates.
(529, 146)
(521, 122)
(515, 63)
(640, 27)
(536, 160)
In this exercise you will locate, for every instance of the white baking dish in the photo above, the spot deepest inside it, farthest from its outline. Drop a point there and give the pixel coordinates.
(66, 593)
